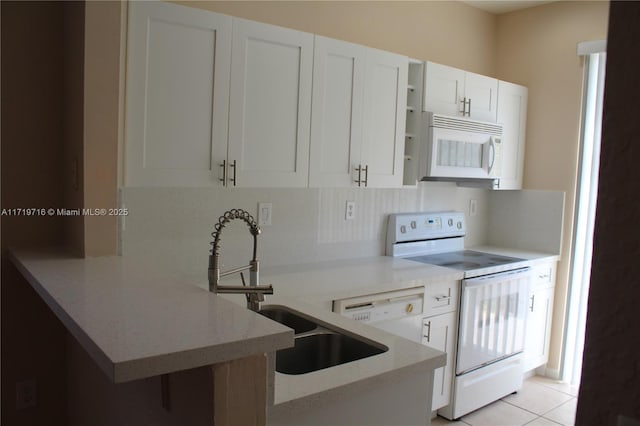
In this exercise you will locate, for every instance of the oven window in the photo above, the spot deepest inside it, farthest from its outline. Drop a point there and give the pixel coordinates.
(492, 322)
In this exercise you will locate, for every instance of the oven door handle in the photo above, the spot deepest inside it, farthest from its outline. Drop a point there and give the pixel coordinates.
(500, 276)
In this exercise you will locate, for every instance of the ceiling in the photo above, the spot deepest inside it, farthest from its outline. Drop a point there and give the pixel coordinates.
(504, 6)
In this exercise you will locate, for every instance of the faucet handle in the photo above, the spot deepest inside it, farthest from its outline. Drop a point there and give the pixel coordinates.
(247, 296)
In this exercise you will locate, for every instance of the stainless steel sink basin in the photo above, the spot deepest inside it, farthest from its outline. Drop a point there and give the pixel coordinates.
(315, 352)
(288, 318)
(316, 345)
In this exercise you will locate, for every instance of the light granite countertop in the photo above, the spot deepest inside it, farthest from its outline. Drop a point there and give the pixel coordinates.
(138, 320)
(321, 283)
(310, 289)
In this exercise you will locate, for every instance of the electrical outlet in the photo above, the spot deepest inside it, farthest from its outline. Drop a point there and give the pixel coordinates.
(473, 207)
(25, 394)
(264, 214)
(350, 210)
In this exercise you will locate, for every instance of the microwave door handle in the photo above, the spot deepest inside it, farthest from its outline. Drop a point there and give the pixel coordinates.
(492, 150)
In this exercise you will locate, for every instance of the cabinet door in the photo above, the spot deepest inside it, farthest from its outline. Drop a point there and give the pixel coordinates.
(385, 103)
(336, 121)
(439, 332)
(443, 89)
(482, 94)
(177, 96)
(270, 105)
(536, 351)
(512, 113)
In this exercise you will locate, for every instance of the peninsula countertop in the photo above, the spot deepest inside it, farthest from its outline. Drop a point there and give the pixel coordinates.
(138, 319)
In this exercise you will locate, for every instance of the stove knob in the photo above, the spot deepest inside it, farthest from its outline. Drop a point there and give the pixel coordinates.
(403, 229)
(459, 225)
(409, 308)
(414, 225)
(450, 222)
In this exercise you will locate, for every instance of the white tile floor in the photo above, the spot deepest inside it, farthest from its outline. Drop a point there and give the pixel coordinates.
(540, 402)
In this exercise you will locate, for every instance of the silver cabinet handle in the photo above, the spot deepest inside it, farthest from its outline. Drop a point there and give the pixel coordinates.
(439, 298)
(464, 106)
(224, 173)
(234, 165)
(361, 181)
(366, 175)
(428, 335)
(533, 300)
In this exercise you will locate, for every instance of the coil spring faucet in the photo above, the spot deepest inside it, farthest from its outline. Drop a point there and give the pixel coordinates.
(254, 292)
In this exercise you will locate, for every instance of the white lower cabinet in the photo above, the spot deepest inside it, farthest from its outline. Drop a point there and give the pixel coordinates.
(358, 118)
(439, 332)
(538, 334)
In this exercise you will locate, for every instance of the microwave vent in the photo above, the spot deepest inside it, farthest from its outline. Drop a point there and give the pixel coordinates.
(466, 125)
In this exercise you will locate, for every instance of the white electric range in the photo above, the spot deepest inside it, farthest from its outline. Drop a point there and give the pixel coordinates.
(492, 311)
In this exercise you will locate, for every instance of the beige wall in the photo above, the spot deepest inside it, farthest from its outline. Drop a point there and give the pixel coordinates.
(537, 48)
(102, 92)
(448, 32)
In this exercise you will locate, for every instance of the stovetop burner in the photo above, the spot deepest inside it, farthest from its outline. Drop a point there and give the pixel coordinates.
(465, 260)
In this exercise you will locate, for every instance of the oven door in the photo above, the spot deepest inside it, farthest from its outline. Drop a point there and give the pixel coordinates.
(493, 313)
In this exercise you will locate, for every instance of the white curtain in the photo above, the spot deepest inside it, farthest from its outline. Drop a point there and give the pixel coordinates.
(586, 196)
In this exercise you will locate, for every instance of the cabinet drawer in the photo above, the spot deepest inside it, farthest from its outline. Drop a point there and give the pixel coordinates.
(441, 297)
(543, 276)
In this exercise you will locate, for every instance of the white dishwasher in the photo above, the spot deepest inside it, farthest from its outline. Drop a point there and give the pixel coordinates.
(399, 312)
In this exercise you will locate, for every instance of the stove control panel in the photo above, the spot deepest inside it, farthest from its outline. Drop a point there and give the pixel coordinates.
(422, 227)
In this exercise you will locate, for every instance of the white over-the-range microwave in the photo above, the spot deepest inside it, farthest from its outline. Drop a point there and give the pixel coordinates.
(455, 147)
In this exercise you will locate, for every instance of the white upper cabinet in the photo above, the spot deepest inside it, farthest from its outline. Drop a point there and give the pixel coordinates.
(455, 92)
(482, 96)
(443, 89)
(177, 98)
(385, 103)
(358, 119)
(270, 105)
(512, 113)
(336, 121)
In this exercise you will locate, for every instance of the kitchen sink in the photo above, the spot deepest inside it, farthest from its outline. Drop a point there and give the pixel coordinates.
(288, 318)
(317, 346)
(321, 350)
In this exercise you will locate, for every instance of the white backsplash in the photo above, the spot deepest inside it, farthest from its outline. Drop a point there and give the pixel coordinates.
(528, 220)
(308, 225)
